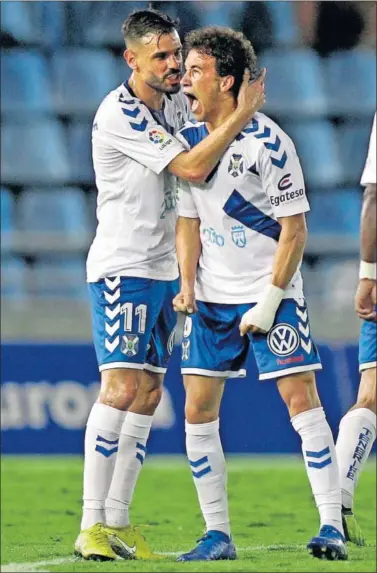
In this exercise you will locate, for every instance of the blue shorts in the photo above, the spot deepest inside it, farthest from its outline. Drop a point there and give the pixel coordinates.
(212, 344)
(367, 346)
(133, 322)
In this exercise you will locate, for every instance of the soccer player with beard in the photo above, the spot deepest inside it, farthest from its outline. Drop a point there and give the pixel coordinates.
(132, 269)
(240, 240)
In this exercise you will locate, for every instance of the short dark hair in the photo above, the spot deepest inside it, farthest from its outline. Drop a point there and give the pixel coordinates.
(140, 23)
(232, 50)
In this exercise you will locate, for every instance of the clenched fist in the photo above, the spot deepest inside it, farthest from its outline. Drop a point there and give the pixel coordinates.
(185, 302)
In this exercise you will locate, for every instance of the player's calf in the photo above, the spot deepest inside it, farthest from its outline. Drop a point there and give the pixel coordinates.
(308, 419)
(204, 450)
(357, 433)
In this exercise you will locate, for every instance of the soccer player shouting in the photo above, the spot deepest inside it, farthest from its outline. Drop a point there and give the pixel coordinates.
(240, 241)
(132, 269)
(357, 431)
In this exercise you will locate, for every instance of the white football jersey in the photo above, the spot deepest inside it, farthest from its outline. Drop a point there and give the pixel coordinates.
(369, 173)
(258, 180)
(137, 196)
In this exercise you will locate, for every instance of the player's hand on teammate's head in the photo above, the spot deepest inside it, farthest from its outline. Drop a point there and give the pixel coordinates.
(251, 96)
(185, 302)
(365, 300)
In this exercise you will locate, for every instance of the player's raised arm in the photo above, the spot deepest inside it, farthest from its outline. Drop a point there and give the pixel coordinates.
(198, 163)
(365, 299)
(188, 250)
(286, 191)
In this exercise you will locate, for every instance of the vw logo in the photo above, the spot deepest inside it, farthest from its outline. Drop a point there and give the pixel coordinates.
(283, 339)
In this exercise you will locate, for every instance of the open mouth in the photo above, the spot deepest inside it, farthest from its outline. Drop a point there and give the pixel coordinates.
(194, 102)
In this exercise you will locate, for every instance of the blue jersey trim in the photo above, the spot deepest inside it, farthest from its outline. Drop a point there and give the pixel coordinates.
(249, 215)
(274, 146)
(195, 134)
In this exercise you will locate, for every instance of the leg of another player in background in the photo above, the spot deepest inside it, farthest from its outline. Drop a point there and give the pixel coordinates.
(204, 449)
(106, 420)
(357, 433)
(300, 395)
(132, 448)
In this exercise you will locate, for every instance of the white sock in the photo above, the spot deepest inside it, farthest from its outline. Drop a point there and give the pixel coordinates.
(321, 464)
(357, 432)
(131, 453)
(207, 464)
(101, 446)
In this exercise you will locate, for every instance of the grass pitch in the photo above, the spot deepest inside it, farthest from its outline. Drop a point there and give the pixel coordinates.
(272, 513)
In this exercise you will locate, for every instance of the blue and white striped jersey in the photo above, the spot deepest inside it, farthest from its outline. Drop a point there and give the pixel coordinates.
(137, 196)
(258, 180)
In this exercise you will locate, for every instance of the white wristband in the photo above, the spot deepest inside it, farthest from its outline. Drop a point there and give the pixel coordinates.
(273, 296)
(367, 270)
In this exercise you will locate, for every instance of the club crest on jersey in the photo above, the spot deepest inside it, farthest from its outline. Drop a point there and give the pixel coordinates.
(130, 344)
(159, 138)
(283, 339)
(236, 165)
(239, 236)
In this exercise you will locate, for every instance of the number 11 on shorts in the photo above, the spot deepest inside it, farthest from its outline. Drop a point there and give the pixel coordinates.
(140, 314)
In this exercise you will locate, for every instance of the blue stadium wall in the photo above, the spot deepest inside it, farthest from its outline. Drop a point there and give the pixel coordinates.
(48, 390)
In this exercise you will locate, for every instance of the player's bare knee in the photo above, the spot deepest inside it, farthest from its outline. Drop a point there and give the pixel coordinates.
(151, 399)
(197, 413)
(299, 392)
(118, 388)
(149, 394)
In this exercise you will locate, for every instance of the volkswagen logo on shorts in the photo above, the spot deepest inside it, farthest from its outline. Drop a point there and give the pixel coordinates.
(283, 339)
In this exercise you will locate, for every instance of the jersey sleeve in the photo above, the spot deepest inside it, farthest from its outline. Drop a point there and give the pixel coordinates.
(132, 130)
(282, 177)
(186, 203)
(369, 173)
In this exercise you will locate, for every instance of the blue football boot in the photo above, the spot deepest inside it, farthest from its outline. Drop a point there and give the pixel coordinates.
(328, 544)
(214, 545)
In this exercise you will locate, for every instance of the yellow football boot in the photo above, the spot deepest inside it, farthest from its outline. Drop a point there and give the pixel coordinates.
(128, 543)
(93, 543)
(352, 531)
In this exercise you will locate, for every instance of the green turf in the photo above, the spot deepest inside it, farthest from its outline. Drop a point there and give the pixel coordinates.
(272, 512)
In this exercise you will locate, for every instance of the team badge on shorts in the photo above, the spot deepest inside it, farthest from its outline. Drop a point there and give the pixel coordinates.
(283, 339)
(130, 344)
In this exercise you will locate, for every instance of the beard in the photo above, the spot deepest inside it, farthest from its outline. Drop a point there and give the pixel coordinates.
(159, 85)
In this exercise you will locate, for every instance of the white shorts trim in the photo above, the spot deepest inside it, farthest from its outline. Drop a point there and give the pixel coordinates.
(286, 371)
(157, 369)
(215, 373)
(111, 365)
(367, 365)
